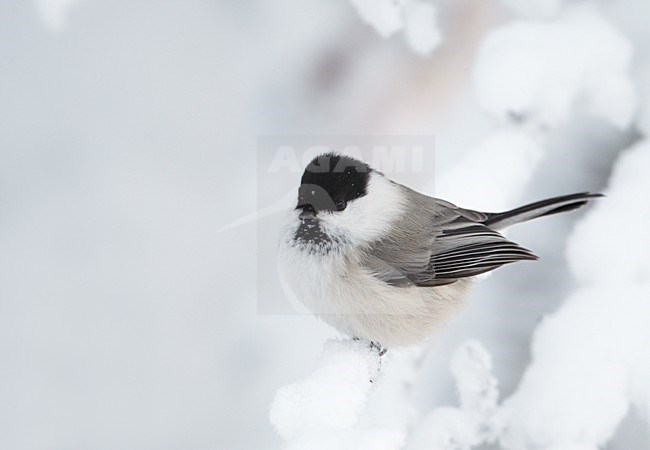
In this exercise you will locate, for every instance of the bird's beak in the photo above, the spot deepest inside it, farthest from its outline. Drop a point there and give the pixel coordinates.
(308, 213)
(313, 199)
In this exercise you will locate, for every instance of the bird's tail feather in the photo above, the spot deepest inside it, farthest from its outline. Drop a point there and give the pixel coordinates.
(539, 209)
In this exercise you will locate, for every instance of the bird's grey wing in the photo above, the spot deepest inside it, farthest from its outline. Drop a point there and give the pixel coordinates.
(468, 251)
(438, 244)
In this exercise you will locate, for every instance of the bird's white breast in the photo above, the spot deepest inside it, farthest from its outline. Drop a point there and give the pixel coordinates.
(335, 286)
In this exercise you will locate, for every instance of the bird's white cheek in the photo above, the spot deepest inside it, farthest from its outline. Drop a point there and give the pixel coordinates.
(347, 225)
(357, 224)
(369, 217)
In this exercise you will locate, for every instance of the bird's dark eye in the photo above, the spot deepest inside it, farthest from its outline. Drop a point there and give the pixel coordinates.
(341, 205)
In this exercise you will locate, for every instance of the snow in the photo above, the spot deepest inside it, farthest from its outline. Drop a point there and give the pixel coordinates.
(322, 411)
(531, 76)
(482, 180)
(473, 423)
(418, 19)
(385, 16)
(590, 358)
(422, 33)
(612, 246)
(333, 396)
(328, 408)
(575, 389)
(539, 70)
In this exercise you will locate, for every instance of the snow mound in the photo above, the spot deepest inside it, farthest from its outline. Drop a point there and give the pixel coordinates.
(575, 388)
(537, 71)
(612, 246)
(421, 22)
(322, 410)
(590, 358)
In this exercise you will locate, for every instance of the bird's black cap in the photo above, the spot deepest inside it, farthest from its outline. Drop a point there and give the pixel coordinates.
(331, 180)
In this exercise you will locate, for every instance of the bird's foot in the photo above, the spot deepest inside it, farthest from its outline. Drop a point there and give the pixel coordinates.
(373, 345)
(377, 346)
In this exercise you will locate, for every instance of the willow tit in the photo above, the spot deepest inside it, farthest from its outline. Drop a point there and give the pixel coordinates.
(382, 262)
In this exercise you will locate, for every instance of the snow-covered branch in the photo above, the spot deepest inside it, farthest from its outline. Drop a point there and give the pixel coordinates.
(417, 18)
(475, 421)
(590, 358)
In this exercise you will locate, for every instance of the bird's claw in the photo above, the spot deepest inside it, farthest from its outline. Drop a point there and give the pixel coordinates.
(377, 346)
(374, 345)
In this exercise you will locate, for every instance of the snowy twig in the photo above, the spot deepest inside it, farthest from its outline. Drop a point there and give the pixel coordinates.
(474, 422)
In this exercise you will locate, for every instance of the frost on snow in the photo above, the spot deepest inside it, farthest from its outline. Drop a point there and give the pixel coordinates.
(418, 19)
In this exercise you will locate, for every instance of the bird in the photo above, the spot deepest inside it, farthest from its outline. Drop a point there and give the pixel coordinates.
(382, 262)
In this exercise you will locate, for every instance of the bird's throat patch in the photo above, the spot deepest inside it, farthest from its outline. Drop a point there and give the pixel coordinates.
(311, 233)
